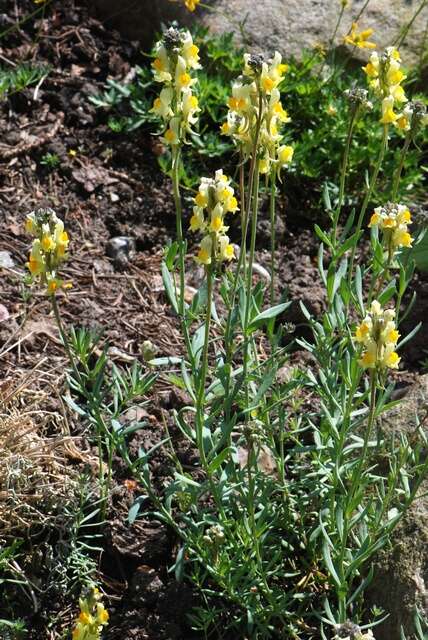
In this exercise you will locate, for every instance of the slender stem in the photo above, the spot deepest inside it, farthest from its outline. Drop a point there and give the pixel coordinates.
(252, 465)
(249, 283)
(372, 413)
(330, 44)
(367, 198)
(19, 24)
(360, 13)
(104, 486)
(343, 171)
(403, 33)
(204, 368)
(397, 176)
(65, 341)
(354, 487)
(272, 233)
(242, 198)
(181, 248)
(242, 254)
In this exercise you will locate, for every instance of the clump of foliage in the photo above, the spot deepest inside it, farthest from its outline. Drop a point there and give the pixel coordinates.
(19, 78)
(316, 103)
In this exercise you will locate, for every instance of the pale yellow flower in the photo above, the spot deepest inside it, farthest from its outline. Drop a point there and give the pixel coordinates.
(360, 39)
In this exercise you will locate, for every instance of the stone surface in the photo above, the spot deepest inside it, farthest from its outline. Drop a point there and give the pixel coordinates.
(6, 260)
(286, 25)
(293, 25)
(401, 576)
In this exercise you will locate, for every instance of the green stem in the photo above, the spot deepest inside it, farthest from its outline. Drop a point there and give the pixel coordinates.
(19, 24)
(331, 42)
(371, 419)
(204, 367)
(181, 248)
(65, 341)
(242, 198)
(242, 255)
(343, 172)
(367, 198)
(272, 233)
(249, 282)
(104, 486)
(354, 487)
(403, 33)
(397, 176)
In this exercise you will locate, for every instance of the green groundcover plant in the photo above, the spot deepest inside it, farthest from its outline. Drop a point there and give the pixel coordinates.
(297, 485)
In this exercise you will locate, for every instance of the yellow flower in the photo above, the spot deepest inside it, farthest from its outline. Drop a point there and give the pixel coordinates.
(388, 114)
(391, 360)
(191, 4)
(378, 335)
(285, 155)
(201, 199)
(232, 204)
(371, 70)
(217, 197)
(216, 224)
(392, 336)
(72, 153)
(171, 136)
(102, 614)
(30, 224)
(53, 285)
(403, 122)
(48, 243)
(362, 332)
(282, 114)
(197, 221)
(331, 110)
(158, 64)
(402, 238)
(48, 249)
(226, 249)
(268, 84)
(85, 618)
(368, 359)
(204, 255)
(360, 39)
(374, 219)
(184, 80)
(393, 219)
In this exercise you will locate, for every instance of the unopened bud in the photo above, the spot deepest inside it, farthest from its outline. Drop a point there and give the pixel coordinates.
(149, 350)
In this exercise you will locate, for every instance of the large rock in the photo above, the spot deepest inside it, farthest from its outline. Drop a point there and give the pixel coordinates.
(293, 25)
(401, 576)
(289, 26)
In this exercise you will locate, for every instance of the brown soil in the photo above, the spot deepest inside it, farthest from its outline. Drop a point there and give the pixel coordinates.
(110, 187)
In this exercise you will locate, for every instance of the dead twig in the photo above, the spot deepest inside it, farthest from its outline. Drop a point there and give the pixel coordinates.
(8, 154)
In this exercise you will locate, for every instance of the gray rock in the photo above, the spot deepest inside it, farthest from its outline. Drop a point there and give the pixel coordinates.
(6, 260)
(293, 25)
(289, 26)
(120, 249)
(401, 574)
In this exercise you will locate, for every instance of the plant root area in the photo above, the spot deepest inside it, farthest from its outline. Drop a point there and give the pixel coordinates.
(104, 185)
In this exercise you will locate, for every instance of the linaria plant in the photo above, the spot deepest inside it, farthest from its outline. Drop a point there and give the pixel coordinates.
(100, 396)
(93, 616)
(291, 499)
(297, 485)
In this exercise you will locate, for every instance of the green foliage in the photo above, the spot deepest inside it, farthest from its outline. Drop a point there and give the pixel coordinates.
(15, 630)
(20, 77)
(315, 101)
(50, 160)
